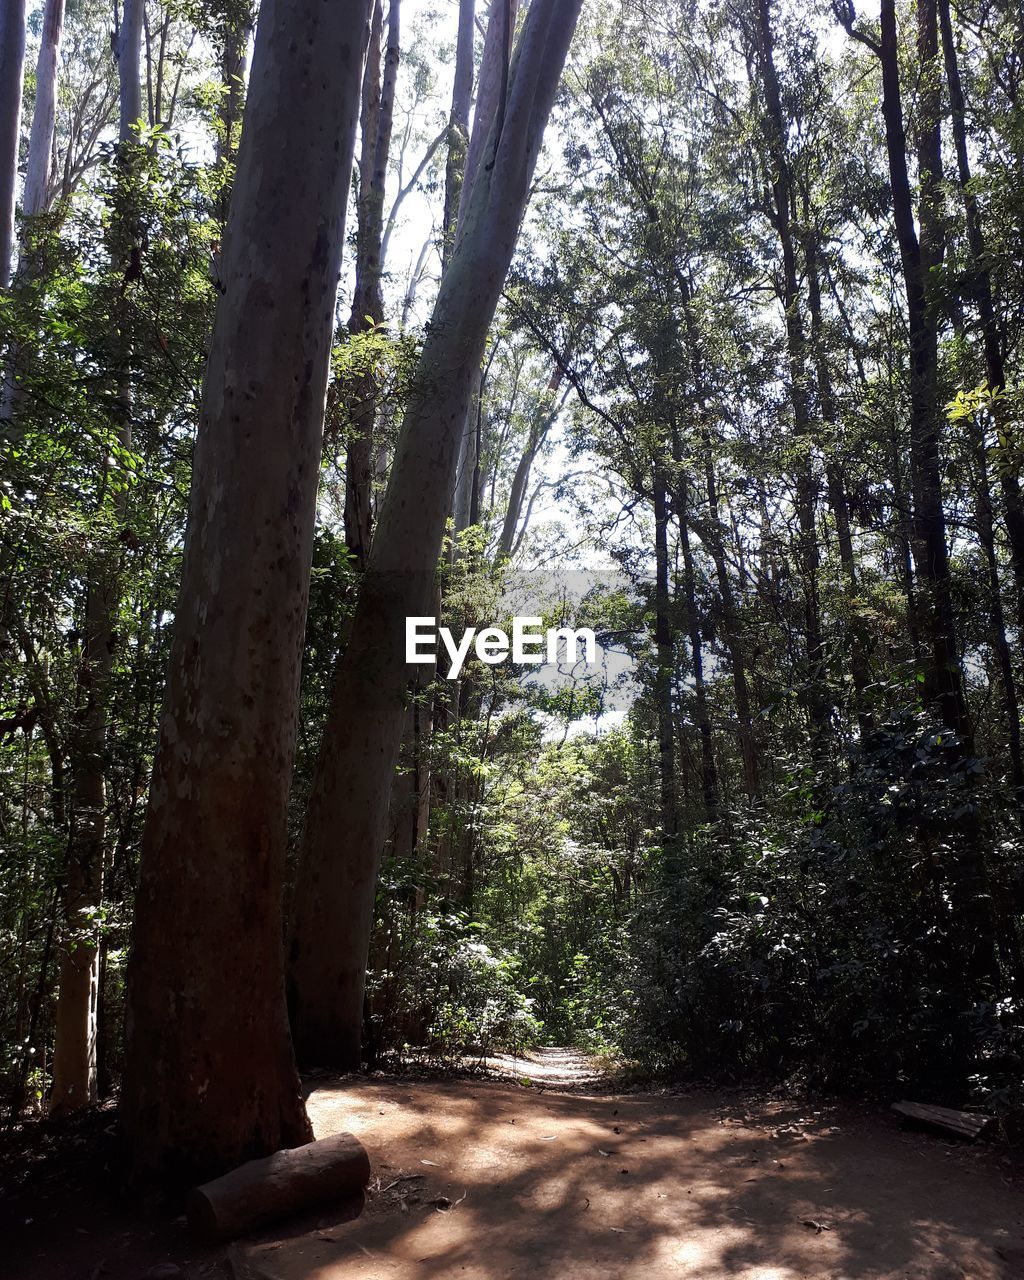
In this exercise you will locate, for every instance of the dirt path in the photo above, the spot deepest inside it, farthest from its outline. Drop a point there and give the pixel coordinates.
(488, 1180)
(692, 1187)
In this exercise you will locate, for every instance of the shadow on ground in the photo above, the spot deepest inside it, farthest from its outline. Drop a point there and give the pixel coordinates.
(546, 1185)
(483, 1180)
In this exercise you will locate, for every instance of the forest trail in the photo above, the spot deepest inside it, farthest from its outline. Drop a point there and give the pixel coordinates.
(550, 1067)
(487, 1180)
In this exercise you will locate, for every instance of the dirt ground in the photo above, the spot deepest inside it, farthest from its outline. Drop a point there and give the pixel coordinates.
(486, 1180)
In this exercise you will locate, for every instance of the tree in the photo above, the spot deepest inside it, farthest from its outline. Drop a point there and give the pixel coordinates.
(344, 830)
(75, 1038)
(12, 69)
(209, 1075)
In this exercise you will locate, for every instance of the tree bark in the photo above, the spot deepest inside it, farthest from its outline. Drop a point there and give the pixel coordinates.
(984, 300)
(944, 686)
(664, 671)
(12, 72)
(37, 171)
(76, 1032)
(40, 142)
(542, 419)
(708, 769)
(458, 126)
(233, 65)
(210, 1076)
(348, 807)
(368, 303)
(816, 699)
(944, 683)
(860, 668)
(491, 96)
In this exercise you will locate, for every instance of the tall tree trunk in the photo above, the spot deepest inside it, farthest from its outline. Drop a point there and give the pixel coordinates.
(859, 666)
(944, 686)
(983, 297)
(75, 1043)
(711, 534)
(458, 126)
(40, 142)
(808, 554)
(209, 1075)
(234, 55)
(37, 172)
(368, 304)
(12, 71)
(541, 421)
(492, 92)
(708, 769)
(664, 671)
(347, 812)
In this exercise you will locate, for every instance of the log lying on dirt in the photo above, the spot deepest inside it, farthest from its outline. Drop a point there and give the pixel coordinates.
(322, 1173)
(959, 1124)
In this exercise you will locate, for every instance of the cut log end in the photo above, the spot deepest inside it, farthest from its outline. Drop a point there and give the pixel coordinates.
(333, 1170)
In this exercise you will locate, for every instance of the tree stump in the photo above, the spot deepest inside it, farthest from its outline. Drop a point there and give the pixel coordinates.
(320, 1173)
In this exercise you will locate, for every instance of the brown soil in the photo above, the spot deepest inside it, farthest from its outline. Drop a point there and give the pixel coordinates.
(487, 1180)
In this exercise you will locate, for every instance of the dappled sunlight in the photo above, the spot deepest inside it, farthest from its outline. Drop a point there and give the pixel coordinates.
(487, 1180)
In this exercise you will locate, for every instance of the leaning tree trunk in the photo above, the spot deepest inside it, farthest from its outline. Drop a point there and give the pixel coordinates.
(210, 1076)
(12, 70)
(75, 1040)
(348, 806)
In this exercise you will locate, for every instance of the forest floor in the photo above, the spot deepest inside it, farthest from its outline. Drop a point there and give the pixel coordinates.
(483, 1179)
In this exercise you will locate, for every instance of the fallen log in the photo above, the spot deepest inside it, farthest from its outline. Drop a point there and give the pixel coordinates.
(959, 1124)
(325, 1172)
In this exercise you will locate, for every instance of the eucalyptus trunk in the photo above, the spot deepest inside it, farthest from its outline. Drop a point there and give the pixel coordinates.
(347, 814)
(210, 1075)
(12, 72)
(76, 1034)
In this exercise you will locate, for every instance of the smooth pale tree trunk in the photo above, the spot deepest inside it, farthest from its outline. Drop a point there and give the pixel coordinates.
(37, 172)
(542, 420)
(458, 126)
(75, 1038)
(12, 72)
(492, 90)
(347, 814)
(210, 1075)
(40, 142)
